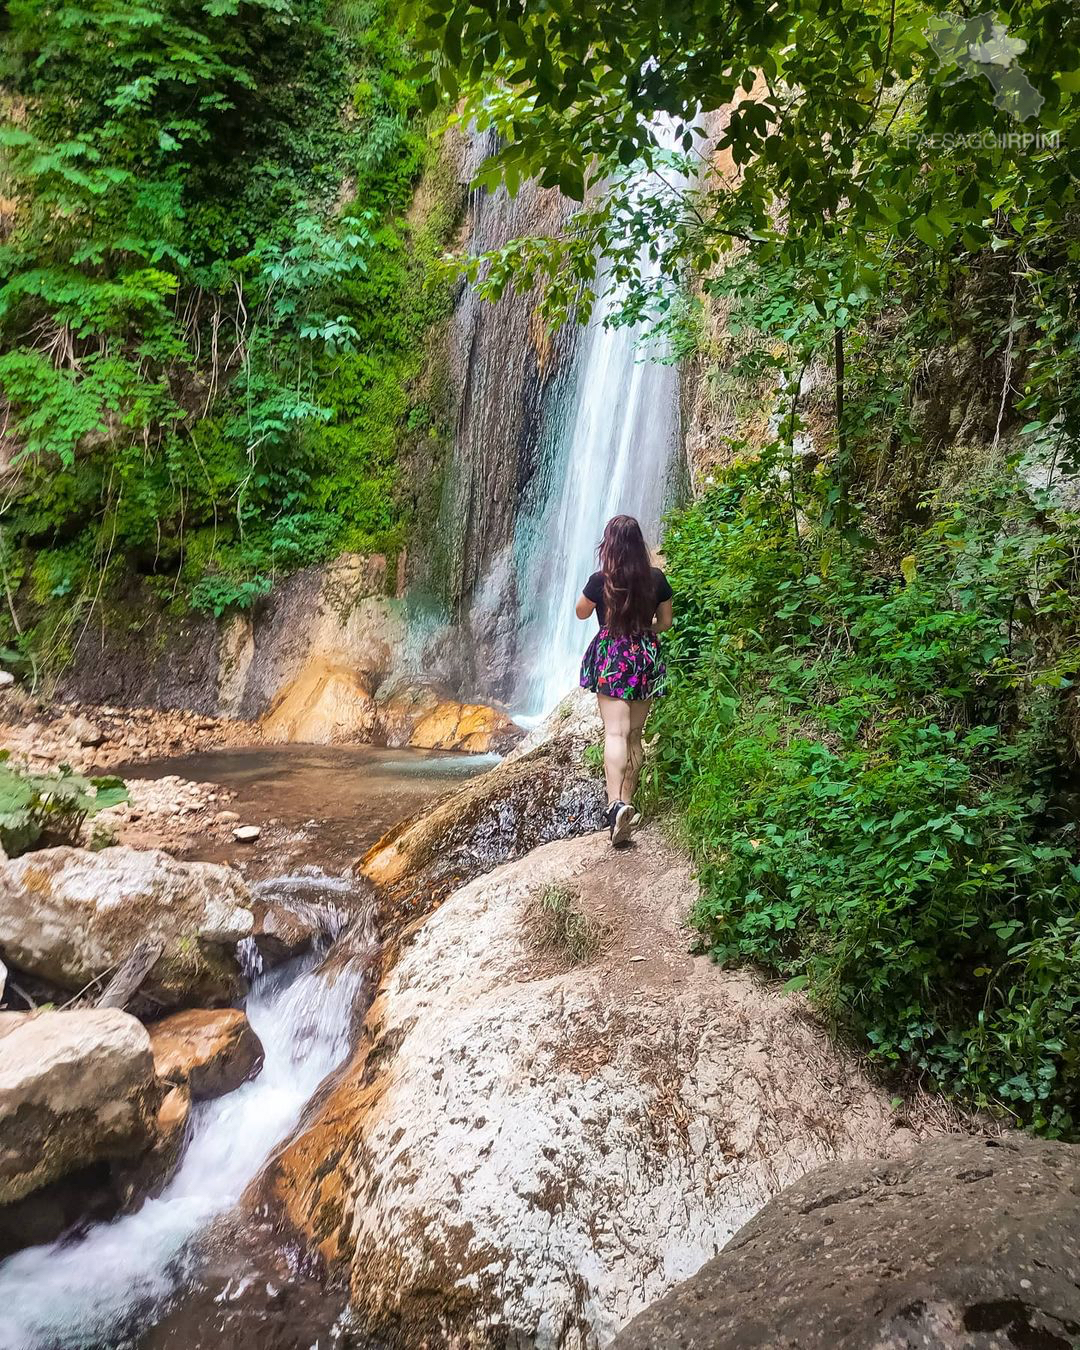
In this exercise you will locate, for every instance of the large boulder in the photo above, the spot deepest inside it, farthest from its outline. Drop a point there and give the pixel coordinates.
(969, 1242)
(209, 1051)
(545, 795)
(71, 917)
(556, 1112)
(76, 1088)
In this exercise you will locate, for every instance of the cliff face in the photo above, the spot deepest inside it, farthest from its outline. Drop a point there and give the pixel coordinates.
(502, 364)
(348, 613)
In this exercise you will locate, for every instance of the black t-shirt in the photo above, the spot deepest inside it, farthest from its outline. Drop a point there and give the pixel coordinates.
(594, 591)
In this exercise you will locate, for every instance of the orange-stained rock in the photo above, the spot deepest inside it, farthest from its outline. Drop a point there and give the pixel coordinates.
(325, 704)
(425, 715)
(149, 1174)
(210, 1051)
(473, 727)
(520, 803)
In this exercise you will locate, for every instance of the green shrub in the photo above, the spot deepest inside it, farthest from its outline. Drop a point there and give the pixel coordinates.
(50, 808)
(869, 760)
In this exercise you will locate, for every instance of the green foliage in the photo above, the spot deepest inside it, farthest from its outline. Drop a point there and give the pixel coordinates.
(210, 358)
(870, 761)
(40, 809)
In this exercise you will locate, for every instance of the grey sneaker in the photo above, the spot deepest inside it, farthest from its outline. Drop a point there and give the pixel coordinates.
(622, 822)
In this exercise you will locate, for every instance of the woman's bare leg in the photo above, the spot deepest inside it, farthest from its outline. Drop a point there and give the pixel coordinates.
(615, 714)
(639, 711)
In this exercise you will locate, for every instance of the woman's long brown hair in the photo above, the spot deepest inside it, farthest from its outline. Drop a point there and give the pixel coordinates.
(629, 588)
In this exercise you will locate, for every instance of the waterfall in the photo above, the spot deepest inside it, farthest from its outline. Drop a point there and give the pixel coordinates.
(88, 1292)
(611, 452)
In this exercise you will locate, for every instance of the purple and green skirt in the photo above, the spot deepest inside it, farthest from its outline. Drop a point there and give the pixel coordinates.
(625, 666)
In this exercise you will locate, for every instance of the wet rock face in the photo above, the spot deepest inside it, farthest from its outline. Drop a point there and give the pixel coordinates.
(967, 1243)
(526, 1151)
(69, 916)
(76, 1088)
(209, 1051)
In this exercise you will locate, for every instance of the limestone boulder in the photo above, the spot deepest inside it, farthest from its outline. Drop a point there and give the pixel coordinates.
(70, 917)
(968, 1242)
(149, 1174)
(539, 1136)
(76, 1088)
(281, 933)
(401, 703)
(208, 1051)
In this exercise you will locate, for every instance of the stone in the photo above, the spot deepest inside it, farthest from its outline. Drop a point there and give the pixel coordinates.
(280, 934)
(324, 705)
(526, 1152)
(967, 1242)
(208, 1051)
(71, 917)
(472, 727)
(426, 716)
(401, 703)
(227, 817)
(246, 834)
(84, 1081)
(6, 679)
(152, 1172)
(86, 732)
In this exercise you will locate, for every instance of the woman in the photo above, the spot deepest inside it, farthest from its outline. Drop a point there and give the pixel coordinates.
(622, 666)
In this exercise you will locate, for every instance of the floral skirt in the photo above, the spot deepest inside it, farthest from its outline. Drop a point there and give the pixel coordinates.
(628, 667)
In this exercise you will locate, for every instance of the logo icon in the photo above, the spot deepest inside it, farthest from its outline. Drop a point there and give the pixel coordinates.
(981, 47)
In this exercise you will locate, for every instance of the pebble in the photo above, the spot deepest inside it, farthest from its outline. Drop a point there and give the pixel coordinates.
(227, 817)
(6, 679)
(246, 834)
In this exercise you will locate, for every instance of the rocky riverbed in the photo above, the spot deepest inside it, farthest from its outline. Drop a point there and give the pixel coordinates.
(480, 1091)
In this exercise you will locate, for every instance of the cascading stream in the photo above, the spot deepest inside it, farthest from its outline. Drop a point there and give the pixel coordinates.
(65, 1296)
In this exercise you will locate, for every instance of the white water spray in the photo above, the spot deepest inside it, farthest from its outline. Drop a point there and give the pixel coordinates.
(85, 1293)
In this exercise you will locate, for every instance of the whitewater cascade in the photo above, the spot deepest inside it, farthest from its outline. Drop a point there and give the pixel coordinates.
(611, 453)
(89, 1291)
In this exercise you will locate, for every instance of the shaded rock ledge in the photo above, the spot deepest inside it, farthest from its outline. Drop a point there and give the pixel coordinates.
(967, 1243)
(527, 1152)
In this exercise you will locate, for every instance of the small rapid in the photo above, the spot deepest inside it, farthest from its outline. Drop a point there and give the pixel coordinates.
(94, 1289)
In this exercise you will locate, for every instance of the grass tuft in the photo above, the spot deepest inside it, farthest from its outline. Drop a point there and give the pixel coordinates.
(557, 924)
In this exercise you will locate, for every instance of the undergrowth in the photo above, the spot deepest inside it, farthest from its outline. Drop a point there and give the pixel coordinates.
(214, 300)
(870, 757)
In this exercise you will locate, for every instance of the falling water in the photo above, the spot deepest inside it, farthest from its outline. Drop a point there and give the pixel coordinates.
(64, 1296)
(612, 454)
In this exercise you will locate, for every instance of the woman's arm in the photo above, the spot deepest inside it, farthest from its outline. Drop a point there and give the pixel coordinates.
(663, 618)
(584, 608)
